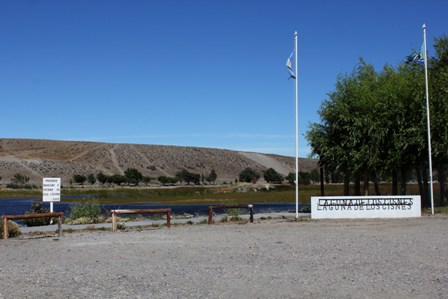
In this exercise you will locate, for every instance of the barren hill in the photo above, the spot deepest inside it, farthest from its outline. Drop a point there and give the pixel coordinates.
(48, 158)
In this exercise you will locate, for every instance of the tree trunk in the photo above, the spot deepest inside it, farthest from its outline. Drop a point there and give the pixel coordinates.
(366, 183)
(426, 201)
(420, 184)
(376, 184)
(394, 182)
(346, 184)
(322, 185)
(442, 184)
(357, 185)
(403, 181)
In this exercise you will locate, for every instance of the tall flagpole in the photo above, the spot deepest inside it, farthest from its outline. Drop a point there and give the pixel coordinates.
(297, 124)
(428, 118)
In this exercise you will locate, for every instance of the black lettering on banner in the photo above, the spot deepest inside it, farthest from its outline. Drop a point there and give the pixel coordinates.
(359, 204)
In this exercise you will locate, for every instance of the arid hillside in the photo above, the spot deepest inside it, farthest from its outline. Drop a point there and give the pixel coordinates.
(48, 158)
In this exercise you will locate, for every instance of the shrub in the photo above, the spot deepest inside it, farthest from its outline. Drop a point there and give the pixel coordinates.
(121, 226)
(91, 211)
(13, 229)
(235, 214)
(37, 208)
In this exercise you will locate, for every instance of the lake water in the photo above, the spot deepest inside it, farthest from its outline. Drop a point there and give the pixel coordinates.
(18, 206)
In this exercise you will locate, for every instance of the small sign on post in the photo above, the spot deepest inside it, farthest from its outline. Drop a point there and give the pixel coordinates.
(51, 191)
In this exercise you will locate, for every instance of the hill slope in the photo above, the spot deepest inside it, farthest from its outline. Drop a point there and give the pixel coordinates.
(48, 158)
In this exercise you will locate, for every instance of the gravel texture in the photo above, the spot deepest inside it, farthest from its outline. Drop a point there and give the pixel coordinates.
(398, 258)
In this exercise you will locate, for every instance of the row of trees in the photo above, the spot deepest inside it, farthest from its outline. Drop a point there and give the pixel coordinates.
(374, 124)
(133, 177)
(249, 175)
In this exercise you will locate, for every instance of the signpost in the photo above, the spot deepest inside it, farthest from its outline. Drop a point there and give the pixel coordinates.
(51, 191)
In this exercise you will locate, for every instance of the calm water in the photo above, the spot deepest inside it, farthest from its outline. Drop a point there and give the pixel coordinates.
(18, 206)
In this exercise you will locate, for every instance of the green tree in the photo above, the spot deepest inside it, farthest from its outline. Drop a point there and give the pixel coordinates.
(91, 179)
(146, 180)
(272, 176)
(79, 178)
(167, 180)
(249, 175)
(117, 179)
(20, 179)
(188, 177)
(315, 175)
(211, 178)
(133, 176)
(102, 178)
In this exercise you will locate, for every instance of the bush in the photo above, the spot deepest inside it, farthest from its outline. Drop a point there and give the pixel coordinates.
(272, 176)
(13, 229)
(91, 211)
(248, 175)
(37, 208)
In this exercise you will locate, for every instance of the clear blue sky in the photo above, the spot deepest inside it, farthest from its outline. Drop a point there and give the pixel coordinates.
(194, 73)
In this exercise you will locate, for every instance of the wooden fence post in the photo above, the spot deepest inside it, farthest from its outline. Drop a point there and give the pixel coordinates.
(114, 221)
(210, 215)
(5, 228)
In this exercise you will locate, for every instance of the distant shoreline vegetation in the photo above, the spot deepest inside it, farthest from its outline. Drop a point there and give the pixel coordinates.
(237, 194)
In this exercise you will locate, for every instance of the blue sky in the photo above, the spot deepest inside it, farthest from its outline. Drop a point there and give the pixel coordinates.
(192, 73)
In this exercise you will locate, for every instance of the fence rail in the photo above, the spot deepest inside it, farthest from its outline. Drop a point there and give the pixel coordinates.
(142, 211)
(211, 208)
(31, 216)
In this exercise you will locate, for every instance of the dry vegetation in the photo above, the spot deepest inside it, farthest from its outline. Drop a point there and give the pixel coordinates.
(48, 158)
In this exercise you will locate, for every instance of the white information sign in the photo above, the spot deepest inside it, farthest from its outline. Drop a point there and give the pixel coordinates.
(51, 189)
(365, 207)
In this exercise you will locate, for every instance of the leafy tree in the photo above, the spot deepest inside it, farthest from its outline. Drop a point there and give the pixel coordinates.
(188, 177)
(102, 178)
(79, 178)
(272, 176)
(20, 179)
(146, 180)
(117, 179)
(304, 178)
(133, 176)
(91, 179)
(315, 175)
(249, 175)
(167, 180)
(211, 178)
(291, 177)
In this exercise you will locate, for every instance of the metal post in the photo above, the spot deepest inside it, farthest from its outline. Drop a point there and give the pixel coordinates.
(428, 119)
(297, 124)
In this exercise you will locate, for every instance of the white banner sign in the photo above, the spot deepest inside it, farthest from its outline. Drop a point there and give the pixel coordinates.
(365, 207)
(51, 189)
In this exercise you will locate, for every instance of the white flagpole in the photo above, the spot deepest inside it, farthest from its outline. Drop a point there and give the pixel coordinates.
(428, 118)
(297, 124)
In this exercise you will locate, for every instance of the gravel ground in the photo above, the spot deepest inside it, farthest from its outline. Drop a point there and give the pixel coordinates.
(395, 258)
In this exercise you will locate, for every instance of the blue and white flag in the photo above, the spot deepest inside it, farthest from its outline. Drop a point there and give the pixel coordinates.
(289, 66)
(417, 56)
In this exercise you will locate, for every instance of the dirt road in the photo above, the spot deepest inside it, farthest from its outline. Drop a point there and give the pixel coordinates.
(399, 258)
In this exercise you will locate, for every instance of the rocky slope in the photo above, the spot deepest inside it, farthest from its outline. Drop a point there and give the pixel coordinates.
(49, 158)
